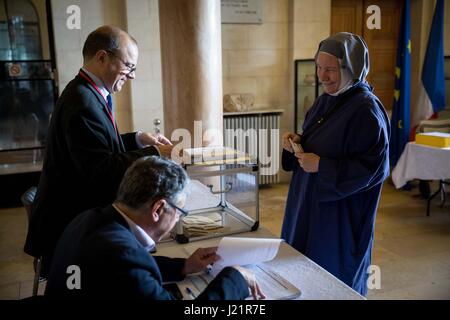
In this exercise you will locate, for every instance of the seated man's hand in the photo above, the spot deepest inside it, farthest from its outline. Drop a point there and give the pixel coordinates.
(251, 281)
(200, 259)
(148, 139)
(287, 144)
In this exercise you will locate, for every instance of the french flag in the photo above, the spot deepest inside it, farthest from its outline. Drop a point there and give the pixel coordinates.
(431, 98)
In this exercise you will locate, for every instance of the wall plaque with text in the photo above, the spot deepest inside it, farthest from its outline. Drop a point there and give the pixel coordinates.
(241, 11)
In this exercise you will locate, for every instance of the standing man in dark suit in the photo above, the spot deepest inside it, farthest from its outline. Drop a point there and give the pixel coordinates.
(110, 246)
(86, 157)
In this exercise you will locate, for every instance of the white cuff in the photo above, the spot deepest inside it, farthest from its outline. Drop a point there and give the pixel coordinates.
(141, 146)
(138, 140)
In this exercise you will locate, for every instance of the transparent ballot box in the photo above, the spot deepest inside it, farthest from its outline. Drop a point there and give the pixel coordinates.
(222, 197)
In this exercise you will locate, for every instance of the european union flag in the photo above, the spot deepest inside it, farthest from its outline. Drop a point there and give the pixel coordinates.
(433, 78)
(400, 121)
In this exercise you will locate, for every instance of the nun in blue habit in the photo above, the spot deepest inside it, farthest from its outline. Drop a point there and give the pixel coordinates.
(337, 179)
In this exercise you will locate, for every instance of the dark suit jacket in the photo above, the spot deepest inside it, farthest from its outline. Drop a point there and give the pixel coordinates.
(114, 264)
(84, 163)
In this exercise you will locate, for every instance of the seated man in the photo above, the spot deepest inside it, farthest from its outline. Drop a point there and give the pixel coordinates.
(110, 246)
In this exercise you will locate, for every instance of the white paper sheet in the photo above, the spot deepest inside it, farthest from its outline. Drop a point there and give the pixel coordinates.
(244, 251)
(274, 286)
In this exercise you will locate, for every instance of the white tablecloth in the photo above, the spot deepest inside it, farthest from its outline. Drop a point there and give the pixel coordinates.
(421, 162)
(313, 281)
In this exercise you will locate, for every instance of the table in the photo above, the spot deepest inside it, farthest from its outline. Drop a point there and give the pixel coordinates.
(423, 162)
(21, 160)
(313, 281)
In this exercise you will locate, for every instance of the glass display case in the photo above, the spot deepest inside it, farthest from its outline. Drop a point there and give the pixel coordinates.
(307, 89)
(222, 199)
(27, 94)
(27, 85)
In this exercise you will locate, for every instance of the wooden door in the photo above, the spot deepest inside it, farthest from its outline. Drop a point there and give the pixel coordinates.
(351, 16)
(347, 16)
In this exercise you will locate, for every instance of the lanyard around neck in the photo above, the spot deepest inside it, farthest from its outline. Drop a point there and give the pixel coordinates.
(92, 83)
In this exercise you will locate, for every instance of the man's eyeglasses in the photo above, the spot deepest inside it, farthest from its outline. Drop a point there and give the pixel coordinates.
(130, 67)
(183, 213)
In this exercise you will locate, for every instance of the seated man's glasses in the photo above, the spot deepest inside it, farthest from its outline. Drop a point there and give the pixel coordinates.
(131, 68)
(182, 213)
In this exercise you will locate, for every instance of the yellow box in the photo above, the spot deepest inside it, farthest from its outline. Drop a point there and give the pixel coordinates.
(434, 139)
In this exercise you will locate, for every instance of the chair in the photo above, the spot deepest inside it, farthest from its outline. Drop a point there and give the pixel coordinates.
(27, 201)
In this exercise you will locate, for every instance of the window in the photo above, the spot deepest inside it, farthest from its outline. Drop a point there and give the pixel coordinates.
(27, 88)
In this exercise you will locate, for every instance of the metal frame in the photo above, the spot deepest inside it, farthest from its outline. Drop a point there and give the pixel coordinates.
(441, 190)
(224, 208)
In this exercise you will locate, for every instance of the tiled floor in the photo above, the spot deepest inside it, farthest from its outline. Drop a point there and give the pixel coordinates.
(412, 250)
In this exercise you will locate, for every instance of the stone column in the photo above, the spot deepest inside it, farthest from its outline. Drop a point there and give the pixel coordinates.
(191, 57)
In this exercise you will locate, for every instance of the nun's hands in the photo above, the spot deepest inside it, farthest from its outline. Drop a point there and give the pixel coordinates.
(308, 161)
(285, 140)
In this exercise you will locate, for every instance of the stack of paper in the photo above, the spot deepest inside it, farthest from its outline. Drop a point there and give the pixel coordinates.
(216, 155)
(244, 251)
(210, 152)
(199, 225)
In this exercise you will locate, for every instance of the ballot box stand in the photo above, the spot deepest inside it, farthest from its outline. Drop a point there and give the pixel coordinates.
(223, 199)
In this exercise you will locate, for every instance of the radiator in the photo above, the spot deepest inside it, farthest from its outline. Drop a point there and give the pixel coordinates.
(258, 135)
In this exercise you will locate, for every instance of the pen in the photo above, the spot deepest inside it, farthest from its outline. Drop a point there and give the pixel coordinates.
(190, 292)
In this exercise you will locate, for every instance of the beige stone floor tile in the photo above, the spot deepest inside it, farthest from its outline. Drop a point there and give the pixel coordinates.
(418, 244)
(399, 274)
(274, 227)
(444, 257)
(430, 291)
(404, 273)
(16, 271)
(395, 230)
(382, 255)
(10, 291)
(13, 229)
(26, 289)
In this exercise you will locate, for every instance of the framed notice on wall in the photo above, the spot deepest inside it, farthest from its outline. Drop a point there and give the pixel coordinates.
(241, 11)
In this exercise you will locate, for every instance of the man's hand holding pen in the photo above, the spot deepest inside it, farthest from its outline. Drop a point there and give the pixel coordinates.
(200, 259)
